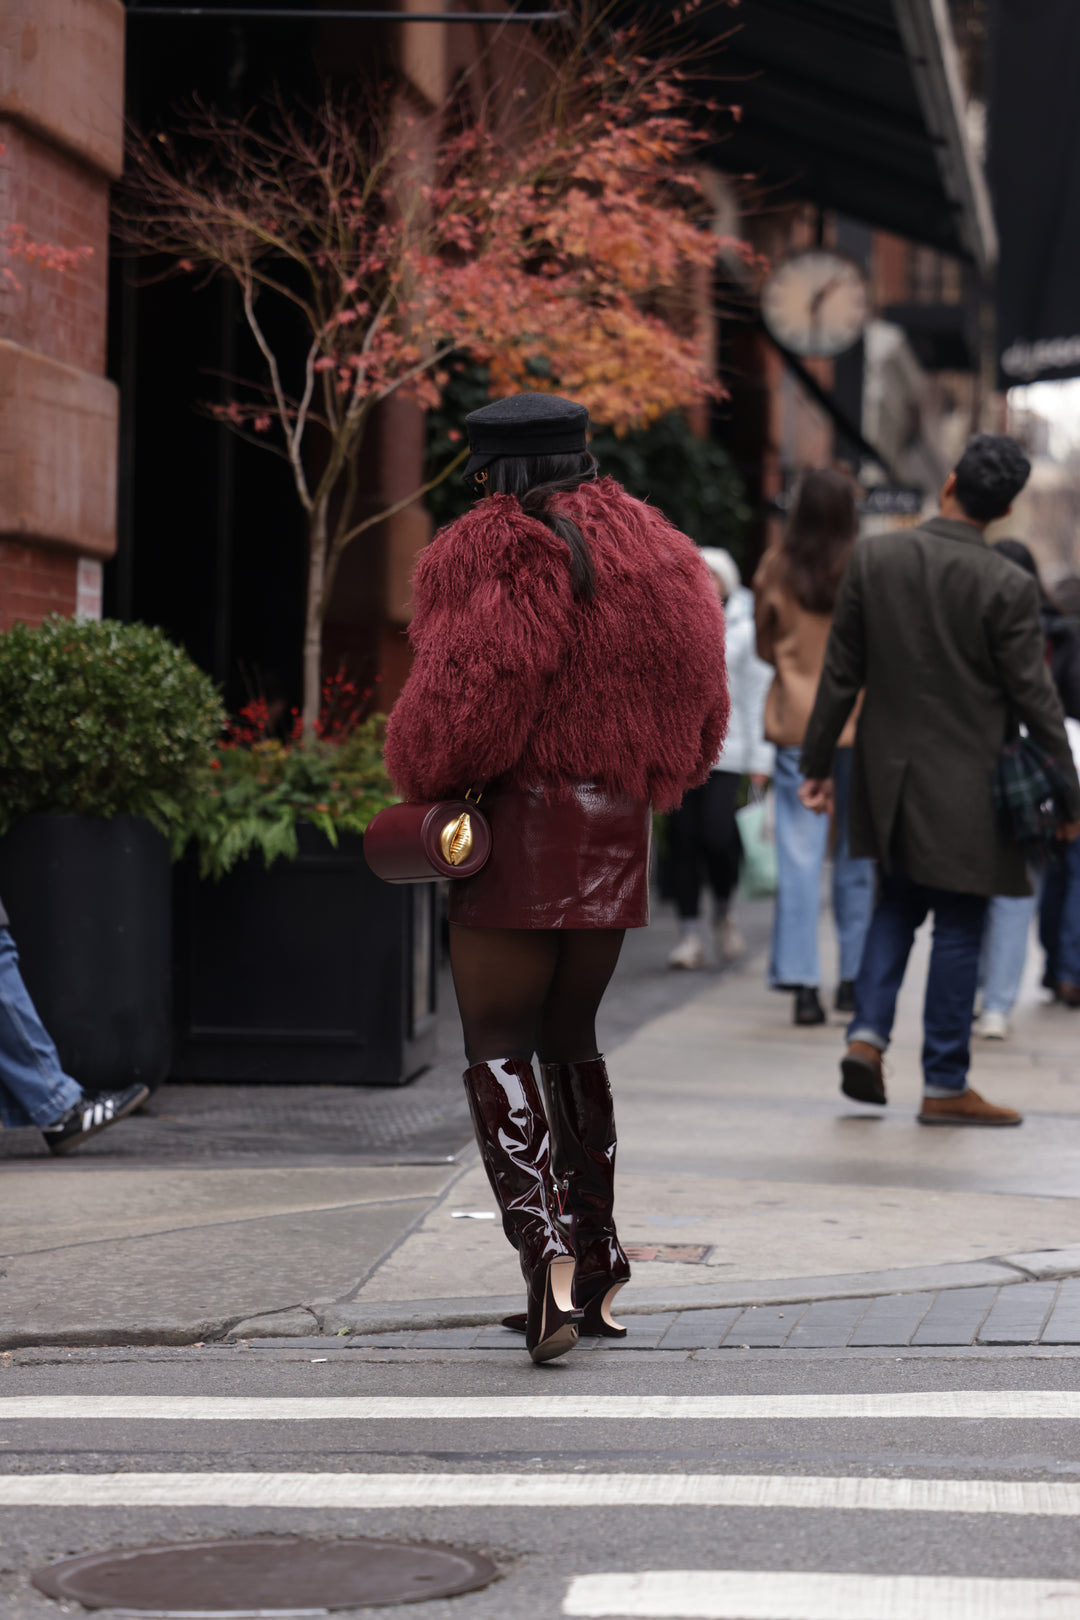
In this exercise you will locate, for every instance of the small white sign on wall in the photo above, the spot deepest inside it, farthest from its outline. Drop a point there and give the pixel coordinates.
(88, 589)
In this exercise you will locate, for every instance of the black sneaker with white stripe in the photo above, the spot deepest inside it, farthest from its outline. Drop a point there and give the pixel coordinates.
(91, 1115)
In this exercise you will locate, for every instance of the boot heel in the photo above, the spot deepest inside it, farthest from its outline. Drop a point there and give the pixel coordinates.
(557, 1328)
(597, 1319)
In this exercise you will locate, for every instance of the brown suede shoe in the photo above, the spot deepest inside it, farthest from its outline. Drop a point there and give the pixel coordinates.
(1068, 993)
(966, 1108)
(862, 1074)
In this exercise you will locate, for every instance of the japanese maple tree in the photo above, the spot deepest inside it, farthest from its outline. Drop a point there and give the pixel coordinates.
(552, 233)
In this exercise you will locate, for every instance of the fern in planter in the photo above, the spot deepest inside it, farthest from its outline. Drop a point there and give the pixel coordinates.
(103, 719)
(258, 788)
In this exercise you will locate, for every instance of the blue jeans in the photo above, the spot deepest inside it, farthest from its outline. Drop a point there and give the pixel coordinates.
(802, 840)
(959, 920)
(1004, 950)
(34, 1090)
(1059, 916)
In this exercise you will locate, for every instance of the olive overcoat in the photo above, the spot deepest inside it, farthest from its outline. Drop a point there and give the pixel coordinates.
(943, 634)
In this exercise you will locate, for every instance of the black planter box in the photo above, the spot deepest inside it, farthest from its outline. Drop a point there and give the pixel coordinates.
(311, 971)
(90, 903)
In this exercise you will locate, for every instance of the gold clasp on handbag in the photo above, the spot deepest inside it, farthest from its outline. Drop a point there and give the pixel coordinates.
(456, 839)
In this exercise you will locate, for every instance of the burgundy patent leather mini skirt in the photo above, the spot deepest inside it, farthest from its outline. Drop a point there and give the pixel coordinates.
(578, 861)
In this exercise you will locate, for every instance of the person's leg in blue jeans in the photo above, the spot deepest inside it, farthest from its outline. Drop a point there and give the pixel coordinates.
(801, 840)
(950, 998)
(34, 1090)
(959, 920)
(1051, 906)
(901, 909)
(854, 880)
(1068, 939)
(1004, 952)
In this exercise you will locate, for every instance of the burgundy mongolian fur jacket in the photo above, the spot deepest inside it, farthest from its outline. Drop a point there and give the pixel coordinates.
(516, 680)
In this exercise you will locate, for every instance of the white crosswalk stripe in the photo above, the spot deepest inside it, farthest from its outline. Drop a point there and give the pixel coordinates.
(1021, 1405)
(841, 1493)
(732, 1594)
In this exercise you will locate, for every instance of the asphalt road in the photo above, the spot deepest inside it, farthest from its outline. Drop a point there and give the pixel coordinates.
(917, 1504)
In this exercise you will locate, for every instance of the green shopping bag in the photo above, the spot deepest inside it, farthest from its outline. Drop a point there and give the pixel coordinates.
(756, 822)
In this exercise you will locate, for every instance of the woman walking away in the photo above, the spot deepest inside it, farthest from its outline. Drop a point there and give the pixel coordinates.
(568, 660)
(703, 835)
(795, 588)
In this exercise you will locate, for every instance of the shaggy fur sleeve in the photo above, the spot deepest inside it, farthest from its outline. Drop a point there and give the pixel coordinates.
(492, 610)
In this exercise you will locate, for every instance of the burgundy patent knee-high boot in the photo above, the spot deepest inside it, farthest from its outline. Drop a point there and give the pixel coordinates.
(515, 1144)
(582, 1117)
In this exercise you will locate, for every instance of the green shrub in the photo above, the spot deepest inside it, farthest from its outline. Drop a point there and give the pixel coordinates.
(103, 719)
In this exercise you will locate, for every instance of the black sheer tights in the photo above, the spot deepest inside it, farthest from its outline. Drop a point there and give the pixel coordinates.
(526, 990)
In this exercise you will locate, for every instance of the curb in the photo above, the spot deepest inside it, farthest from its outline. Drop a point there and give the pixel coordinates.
(403, 1316)
(343, 1320)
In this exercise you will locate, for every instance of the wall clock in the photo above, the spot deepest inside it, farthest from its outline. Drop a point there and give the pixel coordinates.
(816, 303)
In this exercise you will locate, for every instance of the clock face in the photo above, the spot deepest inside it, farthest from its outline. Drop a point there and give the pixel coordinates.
(816, 303)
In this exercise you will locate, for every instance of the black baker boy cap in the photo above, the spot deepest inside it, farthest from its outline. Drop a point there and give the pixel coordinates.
(525, 425)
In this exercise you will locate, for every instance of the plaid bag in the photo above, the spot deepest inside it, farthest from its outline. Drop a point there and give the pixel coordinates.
(1031, 796)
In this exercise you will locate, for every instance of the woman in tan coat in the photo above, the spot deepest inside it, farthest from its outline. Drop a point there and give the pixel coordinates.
(795, 591)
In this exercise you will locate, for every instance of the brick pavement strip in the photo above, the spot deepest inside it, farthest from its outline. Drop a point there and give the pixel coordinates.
(955, 1317)
(1022, 1313)
(891, 1319)
(765, 1327)
(700, 1330)
(1012, 1315)
(827, 1325)
(1064, 1324)
(1018, 1314)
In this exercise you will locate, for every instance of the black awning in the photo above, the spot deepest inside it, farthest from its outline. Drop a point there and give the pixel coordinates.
(854, 105)
(1035, 168)
(940, 335)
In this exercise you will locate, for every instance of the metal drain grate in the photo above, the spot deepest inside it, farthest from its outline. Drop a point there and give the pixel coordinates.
(265, 1575)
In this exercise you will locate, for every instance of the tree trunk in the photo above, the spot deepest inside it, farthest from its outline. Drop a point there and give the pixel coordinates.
(313, 620)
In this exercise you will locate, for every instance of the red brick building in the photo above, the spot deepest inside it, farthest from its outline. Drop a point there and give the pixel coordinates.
(61, 125)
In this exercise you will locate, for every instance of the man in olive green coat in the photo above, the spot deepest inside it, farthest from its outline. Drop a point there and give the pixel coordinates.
(942, 633)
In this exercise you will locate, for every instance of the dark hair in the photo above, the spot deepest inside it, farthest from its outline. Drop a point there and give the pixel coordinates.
(819, 536)
(1018, 553)
(533, 480)
(990, 475)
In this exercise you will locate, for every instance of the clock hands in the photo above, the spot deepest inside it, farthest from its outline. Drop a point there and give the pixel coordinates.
(818, 300)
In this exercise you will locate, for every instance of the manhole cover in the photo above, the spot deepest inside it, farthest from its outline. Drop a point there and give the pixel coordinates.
(685, 1254)
(267, 1575)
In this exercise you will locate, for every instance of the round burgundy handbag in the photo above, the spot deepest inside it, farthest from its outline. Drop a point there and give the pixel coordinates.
(417, 843)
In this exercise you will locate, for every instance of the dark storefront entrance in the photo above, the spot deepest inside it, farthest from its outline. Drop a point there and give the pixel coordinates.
(211, 543)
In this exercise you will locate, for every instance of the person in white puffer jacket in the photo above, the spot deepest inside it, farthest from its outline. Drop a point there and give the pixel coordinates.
(703, 837)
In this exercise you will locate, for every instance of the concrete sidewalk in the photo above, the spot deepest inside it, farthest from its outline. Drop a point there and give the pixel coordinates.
(744, 1179)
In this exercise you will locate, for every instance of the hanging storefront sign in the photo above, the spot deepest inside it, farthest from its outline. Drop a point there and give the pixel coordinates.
(1034, 171)
(893, 500)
